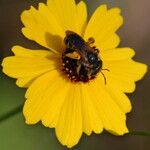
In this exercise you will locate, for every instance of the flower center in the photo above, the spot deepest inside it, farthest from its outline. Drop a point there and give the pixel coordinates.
(80, 59)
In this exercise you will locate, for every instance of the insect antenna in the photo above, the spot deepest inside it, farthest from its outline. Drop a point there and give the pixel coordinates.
(104, 75)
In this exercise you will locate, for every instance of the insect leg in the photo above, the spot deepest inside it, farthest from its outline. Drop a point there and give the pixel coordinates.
(104, 77)
(96, 50)
(79, 66)
(91, 40)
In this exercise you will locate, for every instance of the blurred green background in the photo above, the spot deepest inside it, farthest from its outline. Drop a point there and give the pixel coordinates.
(16, 135)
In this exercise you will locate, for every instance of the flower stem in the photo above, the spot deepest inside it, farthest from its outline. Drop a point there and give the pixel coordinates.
(140, 133)
(11, 113)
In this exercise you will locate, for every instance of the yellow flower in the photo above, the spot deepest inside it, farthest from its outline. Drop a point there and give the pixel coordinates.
(84, 103)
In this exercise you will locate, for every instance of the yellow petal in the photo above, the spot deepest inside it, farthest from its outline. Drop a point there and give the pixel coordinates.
(45, 98)
(113, 118)
(102, 27)
(24, 52)
(120, 98)
(117, 94)
(64, 12)
(69, 16)
(109, 42)
(124, 83)
(28, 64)
(117, 54)
(81, 18)
(69, 126)
(48, 24)
(54, 101)
(91, 120)
(42, 27)
(124, 73)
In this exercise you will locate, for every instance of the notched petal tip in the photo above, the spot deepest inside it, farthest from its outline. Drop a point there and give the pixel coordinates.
(116, 10)
(4, 66)
(69, 143)
(140, 70)
(131, 51)
(103, 7)
(30, 120)
(26, 12)
(121, 130)
(144, 69)
(3, 62)
(15, 49)
(41, 5)
(119, 133)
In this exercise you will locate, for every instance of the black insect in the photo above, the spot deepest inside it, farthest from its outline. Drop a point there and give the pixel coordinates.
(81, 59)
